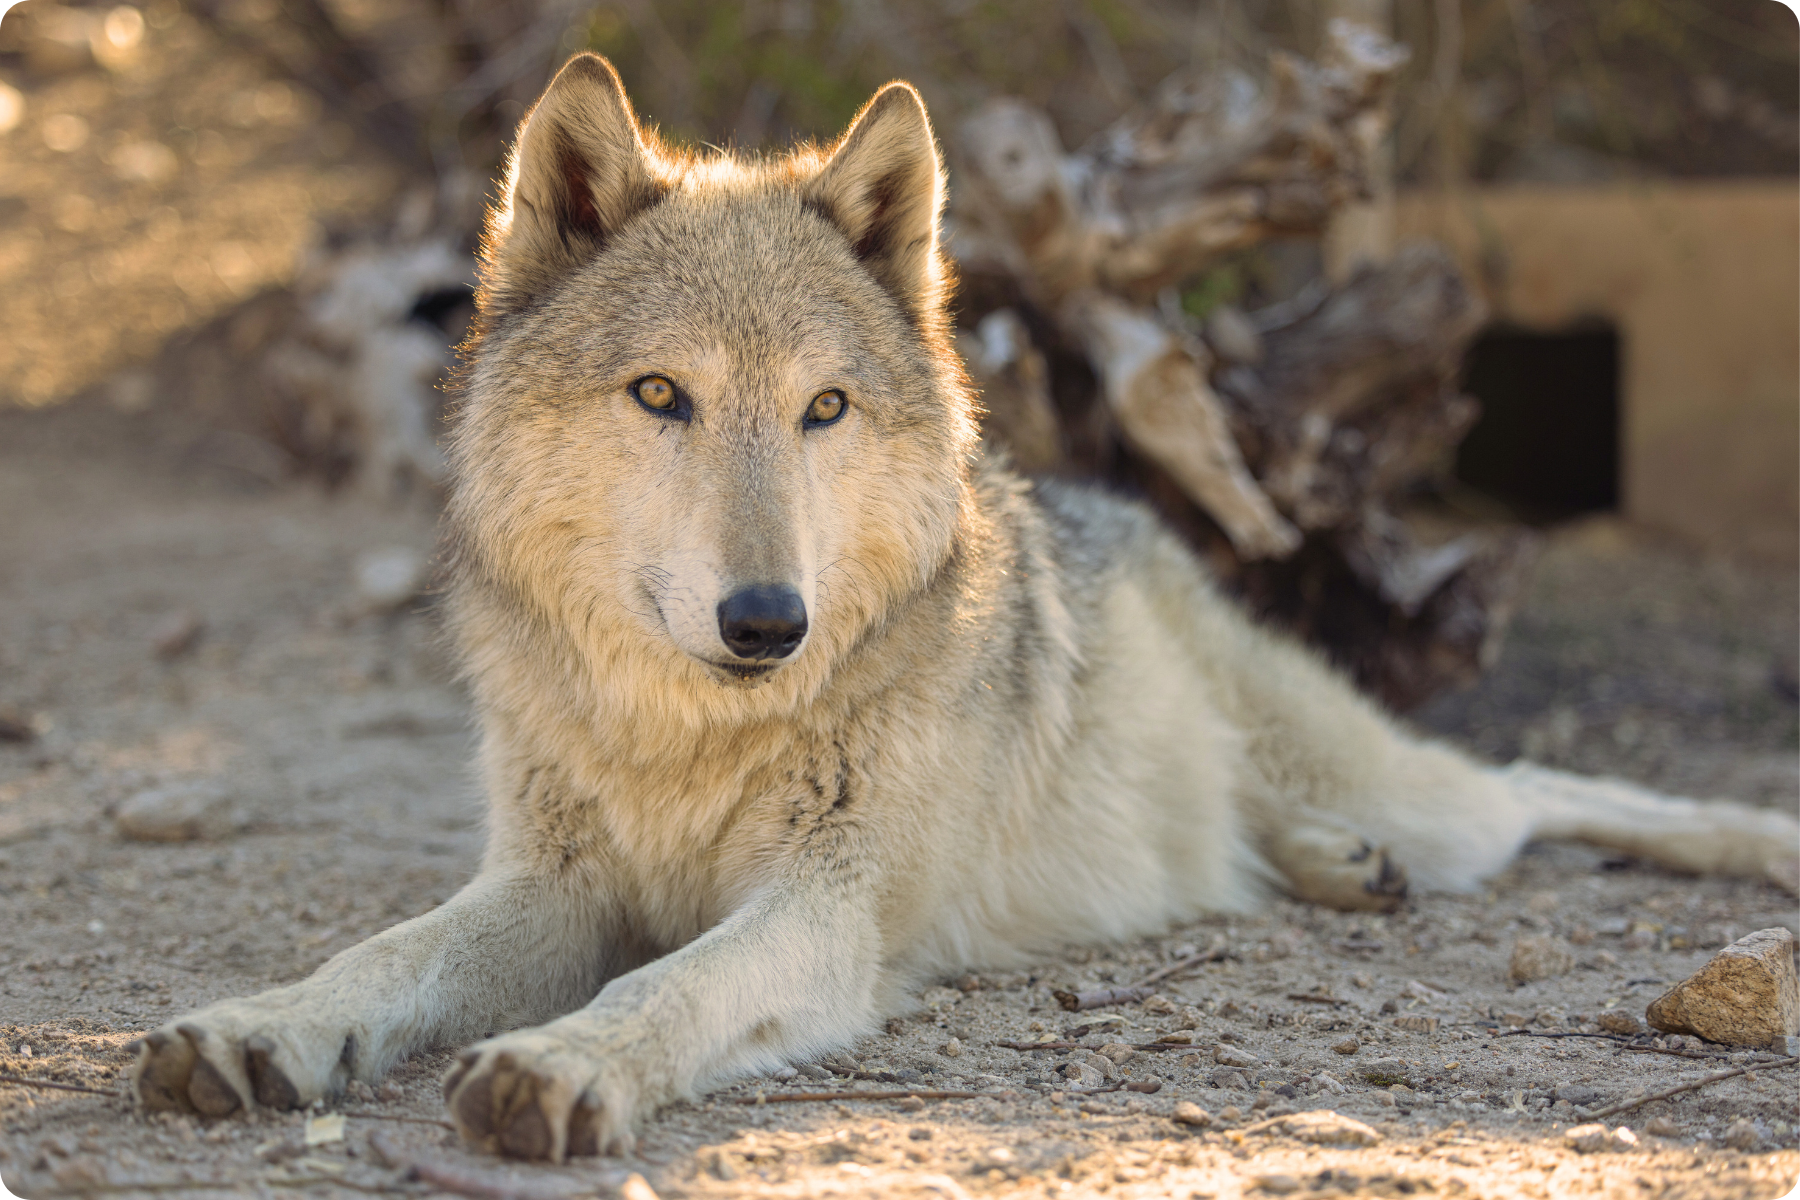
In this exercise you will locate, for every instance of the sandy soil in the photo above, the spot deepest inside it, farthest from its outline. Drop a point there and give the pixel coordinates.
(343, 740)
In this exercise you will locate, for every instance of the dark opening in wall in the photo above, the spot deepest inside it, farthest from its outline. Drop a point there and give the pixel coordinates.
(1547, 443)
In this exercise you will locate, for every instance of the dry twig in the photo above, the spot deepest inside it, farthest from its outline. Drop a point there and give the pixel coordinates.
(22, 1081)
(1213, 953)
(918, 1093)
(1068, 1045)
(480, 1187)
(1627, 1105)
(1101, 998)
(1625, 1043)
(375, 1116)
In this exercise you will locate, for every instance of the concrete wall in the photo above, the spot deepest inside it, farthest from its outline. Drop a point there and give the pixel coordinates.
(1703, 281)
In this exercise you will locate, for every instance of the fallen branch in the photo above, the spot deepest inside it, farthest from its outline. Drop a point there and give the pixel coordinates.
(22, 1081)
(149, 1185)
(1627, 1105)
(1065, 1045)
(463, 1183)
(374, 1116)
(1102, 998)
(1674, 1053)
(917, 1093)
(1625, 1043)
(1218, 950)
(1148, 1087)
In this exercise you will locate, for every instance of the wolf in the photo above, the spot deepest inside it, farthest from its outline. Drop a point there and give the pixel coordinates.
(791, 697)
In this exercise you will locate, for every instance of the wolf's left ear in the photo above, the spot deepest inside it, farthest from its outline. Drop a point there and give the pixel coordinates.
(884, 187)
(579, 170)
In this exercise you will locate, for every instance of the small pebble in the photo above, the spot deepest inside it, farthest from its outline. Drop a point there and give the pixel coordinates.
(1535, 958)
(1743, 1135)
(1616, 1021)
(1385, 1099)
(1231, 1112)
(1348, 1046)
(389, 1092)
(1159, 1005)
(1191, 1114)
(1277, 1185)
(178, 813)
(176, 634)
(1232, 1056)
(388, 578)
(952, 1048)
(1662, 1127)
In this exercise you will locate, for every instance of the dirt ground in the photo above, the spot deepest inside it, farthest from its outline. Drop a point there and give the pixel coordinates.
(342, 740)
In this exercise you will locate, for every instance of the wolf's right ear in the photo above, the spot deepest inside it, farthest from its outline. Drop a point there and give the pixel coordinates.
(580, 169)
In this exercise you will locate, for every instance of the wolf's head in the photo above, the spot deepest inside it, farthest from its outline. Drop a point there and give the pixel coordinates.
(713, 427)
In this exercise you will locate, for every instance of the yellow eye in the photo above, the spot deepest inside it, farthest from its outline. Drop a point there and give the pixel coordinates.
(653, 391)
(826, 408)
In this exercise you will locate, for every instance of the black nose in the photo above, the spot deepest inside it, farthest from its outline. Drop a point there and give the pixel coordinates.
(763, 622)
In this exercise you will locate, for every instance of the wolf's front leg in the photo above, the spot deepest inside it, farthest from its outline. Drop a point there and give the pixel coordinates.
(501, 953)
(790, 973)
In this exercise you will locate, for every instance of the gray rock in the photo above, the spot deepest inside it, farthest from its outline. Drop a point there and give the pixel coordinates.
(388, 578)
(1535, 958)
(177, 813)
(1577, 1093)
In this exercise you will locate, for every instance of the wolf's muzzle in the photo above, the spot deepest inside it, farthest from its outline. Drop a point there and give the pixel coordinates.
(763, 621)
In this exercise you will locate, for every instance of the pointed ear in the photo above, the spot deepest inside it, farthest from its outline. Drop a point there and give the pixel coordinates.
(580, 169)
(884, 187)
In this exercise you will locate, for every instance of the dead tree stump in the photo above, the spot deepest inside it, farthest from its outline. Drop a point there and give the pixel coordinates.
(1283, 442)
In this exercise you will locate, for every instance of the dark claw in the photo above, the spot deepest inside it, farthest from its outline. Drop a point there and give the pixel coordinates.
(272, 1086)
(209, 1091)
(584, 1127)
(527, 1132)
(475, 1106)
(1390, 882)
(206, 1088)
(464, 1064)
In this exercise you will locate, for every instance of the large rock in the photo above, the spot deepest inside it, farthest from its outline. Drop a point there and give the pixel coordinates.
(1746, 996)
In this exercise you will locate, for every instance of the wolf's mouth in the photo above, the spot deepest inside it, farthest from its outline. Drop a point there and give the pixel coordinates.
(744, 672)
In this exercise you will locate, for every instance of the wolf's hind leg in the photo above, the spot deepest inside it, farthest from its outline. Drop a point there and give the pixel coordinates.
(1338, 868)
(1707, 837)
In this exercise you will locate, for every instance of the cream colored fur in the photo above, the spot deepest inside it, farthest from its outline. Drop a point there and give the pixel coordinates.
(1021, 715)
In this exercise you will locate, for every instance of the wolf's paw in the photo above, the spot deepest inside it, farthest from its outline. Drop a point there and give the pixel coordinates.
(1328, 866)
(219, 1059)
(543, 1094)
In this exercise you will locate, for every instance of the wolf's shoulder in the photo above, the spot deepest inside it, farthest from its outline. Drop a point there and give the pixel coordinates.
(1095, 531)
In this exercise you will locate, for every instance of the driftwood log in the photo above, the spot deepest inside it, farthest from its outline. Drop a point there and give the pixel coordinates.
(1283, 442)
